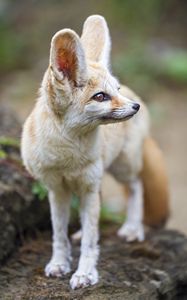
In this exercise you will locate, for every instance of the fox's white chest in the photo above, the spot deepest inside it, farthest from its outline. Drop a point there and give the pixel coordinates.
(71, 154)
(68, 157)
(73, 163)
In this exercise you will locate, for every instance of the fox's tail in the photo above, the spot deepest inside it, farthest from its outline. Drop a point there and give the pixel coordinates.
(156, 195)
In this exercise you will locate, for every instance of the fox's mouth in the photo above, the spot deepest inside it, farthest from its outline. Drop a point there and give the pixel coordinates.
(114, 116)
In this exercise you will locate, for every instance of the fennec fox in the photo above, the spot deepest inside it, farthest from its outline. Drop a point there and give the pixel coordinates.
(77, 130)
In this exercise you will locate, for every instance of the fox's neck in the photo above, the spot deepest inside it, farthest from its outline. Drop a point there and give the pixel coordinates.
(88, 137)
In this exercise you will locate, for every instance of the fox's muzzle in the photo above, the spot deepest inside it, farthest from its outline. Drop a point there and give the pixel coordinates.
(122, 113)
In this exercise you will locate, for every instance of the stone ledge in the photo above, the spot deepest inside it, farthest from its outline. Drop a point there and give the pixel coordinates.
(154, 269)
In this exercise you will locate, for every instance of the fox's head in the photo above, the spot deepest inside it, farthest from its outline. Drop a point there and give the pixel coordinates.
(80, 88)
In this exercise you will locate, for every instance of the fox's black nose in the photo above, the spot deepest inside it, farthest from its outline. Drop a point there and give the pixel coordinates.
(136, 106)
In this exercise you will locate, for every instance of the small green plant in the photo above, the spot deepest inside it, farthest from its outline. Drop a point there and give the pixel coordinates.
(39, 190)
(107, 215)
(3, 154)
(8, 141)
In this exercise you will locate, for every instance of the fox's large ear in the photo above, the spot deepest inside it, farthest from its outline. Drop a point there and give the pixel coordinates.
(96, 39)
(67, 57)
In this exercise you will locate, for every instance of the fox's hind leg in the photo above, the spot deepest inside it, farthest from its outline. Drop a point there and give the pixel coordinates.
(133, 228)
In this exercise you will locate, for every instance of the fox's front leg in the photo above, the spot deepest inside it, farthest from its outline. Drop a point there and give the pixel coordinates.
(59, 264)
(133, 228)
(86, 273)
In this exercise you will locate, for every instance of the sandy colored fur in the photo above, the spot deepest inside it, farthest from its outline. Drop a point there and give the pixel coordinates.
(116, 103)
(154, 176)
(95, 29)
(32, 129)
(156, 194)
(70, 139)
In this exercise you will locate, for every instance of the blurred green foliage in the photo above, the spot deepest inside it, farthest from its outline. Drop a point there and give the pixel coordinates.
(3, 154)
(139, 69)
(174, 66)
(11, 49)
(9, 141)
(138, 18)
(39, 190)
(26, 27)
(108, 215)
(135, 69)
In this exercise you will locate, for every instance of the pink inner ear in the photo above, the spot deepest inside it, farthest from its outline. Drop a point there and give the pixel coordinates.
(66, 62)
(63, 65)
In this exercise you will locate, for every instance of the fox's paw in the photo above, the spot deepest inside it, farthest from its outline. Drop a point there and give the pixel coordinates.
(132, 232)
(81, 280)
(57, 269)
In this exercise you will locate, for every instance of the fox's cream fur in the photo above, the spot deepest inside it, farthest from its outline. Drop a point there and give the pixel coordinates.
(75, 132)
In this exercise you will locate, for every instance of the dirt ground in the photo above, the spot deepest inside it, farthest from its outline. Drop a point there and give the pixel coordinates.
(148, 270)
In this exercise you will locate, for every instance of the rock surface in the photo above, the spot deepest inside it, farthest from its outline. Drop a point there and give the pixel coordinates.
(20, 210)
(154, 269)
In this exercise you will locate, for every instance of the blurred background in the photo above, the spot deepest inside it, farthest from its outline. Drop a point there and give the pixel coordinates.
(149, 54)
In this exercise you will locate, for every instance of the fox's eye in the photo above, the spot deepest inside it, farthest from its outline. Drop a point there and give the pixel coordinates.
(101, 97)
